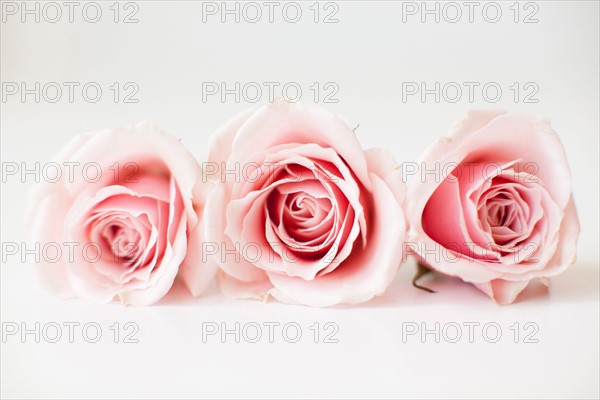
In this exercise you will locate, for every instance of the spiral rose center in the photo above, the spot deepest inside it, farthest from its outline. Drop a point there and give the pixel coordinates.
(504, 211)
(304, 207)
(122, 240)
(304, 216)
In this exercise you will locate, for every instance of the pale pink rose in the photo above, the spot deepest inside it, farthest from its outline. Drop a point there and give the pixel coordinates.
(316, 220)
(493, 204)
(138, 219)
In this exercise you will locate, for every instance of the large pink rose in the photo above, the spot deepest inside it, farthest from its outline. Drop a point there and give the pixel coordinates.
(493, 205)
(131, 222)
(311, 218)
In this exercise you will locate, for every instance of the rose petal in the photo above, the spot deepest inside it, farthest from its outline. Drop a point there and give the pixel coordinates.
(221, 246)
(282, 122)
(502, 291)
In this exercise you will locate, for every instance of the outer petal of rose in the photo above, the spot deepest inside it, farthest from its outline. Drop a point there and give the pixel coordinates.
(47, 227)
(41, 191)
(501, 291)
(364, 274)
(569, 232)
(519, 136)
(444, 218)
(382, 163)
(47, 205)
(445, 151)
(471, 122)
(215, 220)
(220, 142)
(143, 144)
(197, 269)
(237, 289)
(283, 122)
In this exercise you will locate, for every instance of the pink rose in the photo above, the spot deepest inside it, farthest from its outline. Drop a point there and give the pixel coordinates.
(134, 219)
(499, 211)
(311, 218)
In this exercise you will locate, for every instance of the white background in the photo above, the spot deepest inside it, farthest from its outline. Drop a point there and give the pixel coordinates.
(169, 53)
